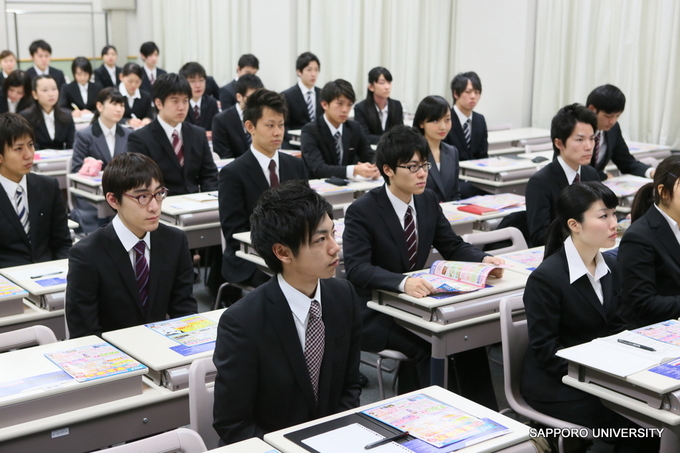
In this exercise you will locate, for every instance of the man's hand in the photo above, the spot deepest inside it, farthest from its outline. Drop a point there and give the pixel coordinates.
(417, 287)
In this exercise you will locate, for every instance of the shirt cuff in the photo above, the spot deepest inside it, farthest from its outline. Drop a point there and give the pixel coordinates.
(402, 285)
(350, 172)
(648, 173)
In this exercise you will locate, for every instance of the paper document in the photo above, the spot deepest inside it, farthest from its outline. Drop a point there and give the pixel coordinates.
(38, 272)
(202, 196)
(349, 439)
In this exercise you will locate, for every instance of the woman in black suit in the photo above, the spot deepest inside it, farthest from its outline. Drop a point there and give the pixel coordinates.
(80, 96)
(138, 109)
(59, 134)
(107, 75)
(377, 98)
(16, 92)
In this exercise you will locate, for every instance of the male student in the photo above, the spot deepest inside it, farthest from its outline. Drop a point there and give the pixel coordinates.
(33, 222)
(332, 145)
(608, 102)
(41, 53)
(289, 351)
(134, 270)
(180, 149)
(230, 137)
(149, 52)
(468, 132)
(303, 98)
(242, 182)
(247, 64)
(202, 107)
(391, 230)
(572, 132)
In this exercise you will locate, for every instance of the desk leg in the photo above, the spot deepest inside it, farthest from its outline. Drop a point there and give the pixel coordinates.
(438, 371)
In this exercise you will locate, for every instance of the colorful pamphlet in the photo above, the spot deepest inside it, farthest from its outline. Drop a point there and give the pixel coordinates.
(457, 276)
(87, 363)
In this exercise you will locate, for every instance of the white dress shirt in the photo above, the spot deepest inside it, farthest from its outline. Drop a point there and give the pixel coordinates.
(299, 305)
(49, 122)
(577, 268)
(671, 223)
(109, 135)
(349, 173)
(169, 129)
(130, 99)
(129, 240)
(568, 171)
(264, 163)
(400, 209)
(11, 190)
(305, 92)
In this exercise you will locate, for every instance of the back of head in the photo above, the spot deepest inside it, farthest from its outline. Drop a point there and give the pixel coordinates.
(336, 88)
(564, 122)
(607, 98)
(148, 48)
(129, 171)
(248, 60)
(460, 82)
(132, 68)
(18, 78)
(12, 128)
(39, 44)
(81, 63)
(248, 82)
(431, 108)
(304, 59)
(170, 84)
(660, 191)
(192, 69)
(260, 100)
(398, 145)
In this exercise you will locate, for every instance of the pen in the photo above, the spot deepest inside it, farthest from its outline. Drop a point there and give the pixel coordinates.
(75, 107)
(386, 440)
(636, 345)
(133, 115)
(46, 275)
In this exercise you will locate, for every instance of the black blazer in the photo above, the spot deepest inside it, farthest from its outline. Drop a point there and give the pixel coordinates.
(24, 103)
(49, 235)
(90, 142)
(262, 382)
(103, 294)
(479, 144)
(229, 138)
(146, 83)
(55, 73)
(211, 88)
(208, 111)
(298, 115)
(241, 183)
(318, 148)
(228, 95)
(64, 132)
(70, 94)
(560, 315)
(102, 77)
(444, 182)
(543, 190)
(141, 107)
(617, 151)
(370, 121)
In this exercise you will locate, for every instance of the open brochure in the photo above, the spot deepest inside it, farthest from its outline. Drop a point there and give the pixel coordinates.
(456, 276)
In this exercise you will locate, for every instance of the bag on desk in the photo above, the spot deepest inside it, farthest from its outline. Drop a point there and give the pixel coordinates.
(90, 167)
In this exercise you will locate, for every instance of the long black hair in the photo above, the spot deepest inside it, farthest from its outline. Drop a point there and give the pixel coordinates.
(666, 176)
(34, 113)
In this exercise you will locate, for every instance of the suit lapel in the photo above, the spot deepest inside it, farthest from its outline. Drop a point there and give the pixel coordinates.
(436, 175)
(155, 268)
(121, 141)
(35, 204)
(7, 209)
(584, 287)
(121, 260)
(457, 128)
(91, 94)
(100, 143)
(664, 233)
(330, 316)
(256, 171)
(424, 224)
(161, 138)
(187, 141)
(327, 137)
(347, 150)
(393, 225)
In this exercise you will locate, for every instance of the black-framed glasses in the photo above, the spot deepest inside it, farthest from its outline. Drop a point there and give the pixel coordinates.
(414, 167)
(145, 198)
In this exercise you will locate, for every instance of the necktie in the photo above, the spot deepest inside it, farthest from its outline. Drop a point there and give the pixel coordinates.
(22, 210)
(596, 149)
(152, 79)
(338, 146)
(142, 272)
(314, 345)
(310, 106)
(197, 113)
(577, 178)
(466, 132)
(273, 179)
(411, 238)
(178, 147)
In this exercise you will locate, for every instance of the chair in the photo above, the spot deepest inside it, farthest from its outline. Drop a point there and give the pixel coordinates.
(397, 356)
(503, 234)
(515, 339)
(179, 440)
(29, 336)
(218, 299)
(201, 398)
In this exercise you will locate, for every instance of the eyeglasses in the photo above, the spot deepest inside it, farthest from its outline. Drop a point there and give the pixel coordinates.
(414, 168)
(145, 198)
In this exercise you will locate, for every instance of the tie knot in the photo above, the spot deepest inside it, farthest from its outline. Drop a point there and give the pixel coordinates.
(140, 247)
(309, 93)
(409, 212)
(315, 309)
(337, 135)
(468, 121)
(20, 191)
(175, 134)
(272, 165)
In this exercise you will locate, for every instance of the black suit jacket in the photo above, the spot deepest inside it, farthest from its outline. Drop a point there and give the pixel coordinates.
(208, 111)
(229, 138)
(211, 88)
(298, 115)
(617, 151)
(64, 132)
(146, 83)
(318, 148)
(199, 173)
(141, 107)
(55, 73)
(70, 94)
(370, 121)
(102, 77)
(444, 182)
(241, 184)
(49, 235)
(376, 254)
(228, 95)
(91, 142)
(543, 190)
(24, 103)
(262, 382)
(479, 144)
(103, 295)
(560, 315)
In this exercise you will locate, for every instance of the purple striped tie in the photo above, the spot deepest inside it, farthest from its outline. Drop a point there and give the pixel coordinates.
(142, 272)
(411, 238)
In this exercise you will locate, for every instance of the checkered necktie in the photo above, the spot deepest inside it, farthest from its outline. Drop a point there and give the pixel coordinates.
(577, 178)
(178, 147)
(310, 106)
(411, 238)
(466, 132)
(314, 345)
(142, 272)
(197, 113)
(338, 146)
(22, 209)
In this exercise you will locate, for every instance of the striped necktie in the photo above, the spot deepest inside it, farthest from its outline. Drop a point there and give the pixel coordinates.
(338, 146)
(466, 132)
(178, 147)
(577, 178)
(142, 271)
(197, 113)
(314, 345)
(411, 238)
(310, 106)
(22, 209)
(596, 149)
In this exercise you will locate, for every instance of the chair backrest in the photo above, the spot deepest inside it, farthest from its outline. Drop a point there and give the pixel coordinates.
(29, 336)
(201, 398)
(479, 240)
(536, 147)
(179, 440)
(69, 196)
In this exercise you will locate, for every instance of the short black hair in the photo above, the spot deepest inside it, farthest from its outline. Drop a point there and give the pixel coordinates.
(564, 122)
(336, 88)
(39, 44)
(18, 78)
(192, 69)
(82, 63)
(607, 98)
(13, 127)
(108, 47)
(249, 60)
(460, 82)
(248, 82)
(148, 48)
(132, 68)
(129, 171)
(397, 146)
(304, 59)
(170, 84)
(287, 215)
(7, 53)
(431, 108)
(259, 100)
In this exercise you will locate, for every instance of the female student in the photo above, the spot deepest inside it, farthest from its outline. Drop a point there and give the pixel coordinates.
(138, 108)
(16, 92)
(433, 120)
(8, 63)
(378, 112)
(79, 96)
(649, 253)
(107, 75)
(53, 127)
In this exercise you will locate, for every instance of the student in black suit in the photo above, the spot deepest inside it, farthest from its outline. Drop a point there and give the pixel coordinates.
(41, 53)
(108, 74)
(433, 120)
(149, 52)
(8, 63)
(180, 149)
(572, 132)
(289, 351)
(247, 64)
(133, 271)
(202, 108)
(333, 145)
(79, 97)
(16, 96)
(230, 137)
(53, 127)
(376, 254)
(608, 102)
(378, 112)
(212, 88)
(42, 233)
(303, 98)
(242, 182)
(138, 106)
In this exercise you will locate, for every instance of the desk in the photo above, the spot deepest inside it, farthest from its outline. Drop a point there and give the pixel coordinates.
(500, 174)
(641, 150)
(517, 137)
(509, 151)
(504, 204)
(197, 215)
(45, 282)
(254, 445)
(90, 189)
(524, 261)
(52, 162)
(33, 316)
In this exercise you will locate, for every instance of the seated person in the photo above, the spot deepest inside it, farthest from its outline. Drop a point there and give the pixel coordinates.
(333, 145)
(79, 97)
(608, 102)
(378, 112)
(303, 98)
(33, 222)
(8, 63)
(572, 132)
(138, 106)
(202, 108)
(133, 271)
(41, 54)
(108, 74)
(274, 368)
(16, 96)
(433, 120)
(149, 52)
(53, 126)
(230, 137)
(377, 253)
(247, 64)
